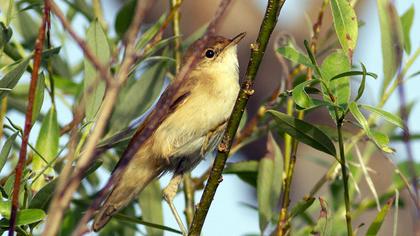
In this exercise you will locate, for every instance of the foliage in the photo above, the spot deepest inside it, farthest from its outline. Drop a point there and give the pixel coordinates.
(320, 78)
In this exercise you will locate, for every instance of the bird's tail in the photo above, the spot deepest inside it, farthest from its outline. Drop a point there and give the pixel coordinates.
(137, 175)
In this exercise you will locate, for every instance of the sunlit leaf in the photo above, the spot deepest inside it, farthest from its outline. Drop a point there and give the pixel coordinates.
(378, 138)
(25, 217)
(406, 22)
(291, 53)
(150, 33)
(380, 217)
(386, 115)
(150, 201)
(345, 24)
(303, 100)
(47, 147)
(304, 132)
(336, 63)
(391, 40)
(94, 86)
(11, 78)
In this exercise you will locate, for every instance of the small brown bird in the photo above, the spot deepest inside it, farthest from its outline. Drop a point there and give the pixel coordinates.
(199, 113)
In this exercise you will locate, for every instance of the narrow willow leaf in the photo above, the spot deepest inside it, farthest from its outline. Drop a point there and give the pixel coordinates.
(47, 147)
(334, 64)
(380, 217)
(391, 40)
(406, 22)
(292, 54)
(122, 217)
(304, 132)
(150, 33)
(138, 96)
(386, 115)
(94, 86)
(39, 97)
(150, 201)
(362, 85)
(312, 58)
(245, 170)
(345, 24)
(379, 139)
(5, 150)
(275, 151)
(353, 73)
(264, 183)
(11, 78)
(301, 207)
(26, 216)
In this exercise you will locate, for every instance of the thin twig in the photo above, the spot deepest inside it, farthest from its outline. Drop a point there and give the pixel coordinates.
(103, 69)
(28, 118)
(63, 198)
(257, 53)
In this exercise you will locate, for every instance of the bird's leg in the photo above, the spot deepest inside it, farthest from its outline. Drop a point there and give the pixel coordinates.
(169, 193)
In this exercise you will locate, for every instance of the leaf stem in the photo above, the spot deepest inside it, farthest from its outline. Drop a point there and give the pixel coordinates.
(345, 175)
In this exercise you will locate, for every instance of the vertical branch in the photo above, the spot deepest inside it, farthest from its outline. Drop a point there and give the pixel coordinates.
(257, 53)
(28, 118)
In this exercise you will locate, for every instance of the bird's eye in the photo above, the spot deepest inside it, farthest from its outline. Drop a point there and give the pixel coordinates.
(210, 53)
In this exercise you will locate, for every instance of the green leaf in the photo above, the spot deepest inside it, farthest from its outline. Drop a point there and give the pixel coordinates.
(380, 217)
(334, 64)
(47, 147)
(94, 86)
(270, 171)
(304, 132)
(124, 17)
(264, 183)
(345, 24)
(386, 115)
(122, 217)
(150, 201)
(379, 139)
(406, 22)
(391, 40)
(291, 53)
(25, 217)
(150, 33)
(138, 96)
(11, 78)
(39, 97)
(312, 58)
(245, 170)
(5, 150)
(302, 99)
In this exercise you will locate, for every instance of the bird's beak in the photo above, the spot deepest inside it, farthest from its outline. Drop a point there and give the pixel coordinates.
(236, 39)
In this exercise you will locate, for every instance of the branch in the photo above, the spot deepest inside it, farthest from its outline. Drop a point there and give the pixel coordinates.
(62, 199)
(257, 53)
(28, 117)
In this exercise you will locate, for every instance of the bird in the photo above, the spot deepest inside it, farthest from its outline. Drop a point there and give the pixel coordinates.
(193, 127)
